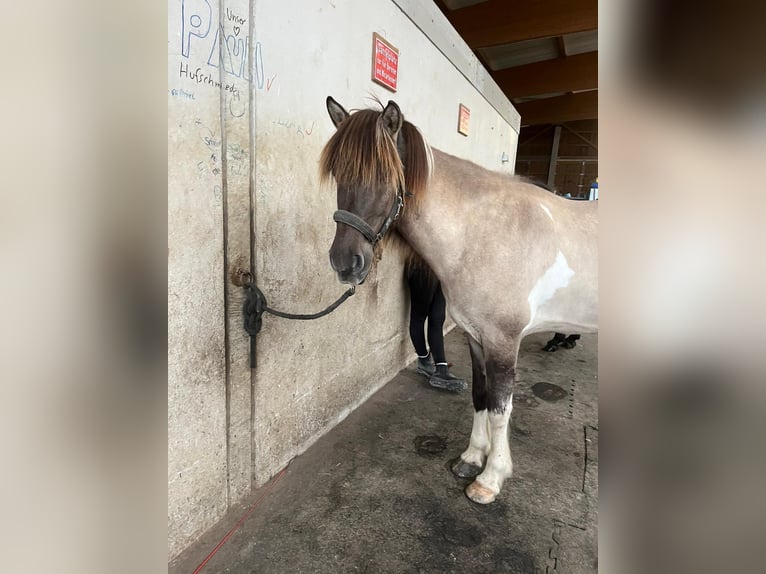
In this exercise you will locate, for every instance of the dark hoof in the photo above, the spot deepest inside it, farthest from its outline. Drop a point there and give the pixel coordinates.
(550, 348)
(465, 469)
(569, 344)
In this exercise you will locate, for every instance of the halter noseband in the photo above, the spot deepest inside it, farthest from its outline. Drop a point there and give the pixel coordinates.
(353, 220)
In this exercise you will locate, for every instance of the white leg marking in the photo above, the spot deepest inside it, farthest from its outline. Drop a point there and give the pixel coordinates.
(478, 447)
(499, 465)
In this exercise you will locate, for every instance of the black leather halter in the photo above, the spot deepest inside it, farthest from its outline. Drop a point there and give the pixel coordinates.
(353, 220)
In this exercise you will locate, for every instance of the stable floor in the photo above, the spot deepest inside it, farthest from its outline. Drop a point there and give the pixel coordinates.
(376, 494)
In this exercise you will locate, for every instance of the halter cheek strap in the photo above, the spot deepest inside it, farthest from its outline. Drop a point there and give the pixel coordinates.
(353, 220)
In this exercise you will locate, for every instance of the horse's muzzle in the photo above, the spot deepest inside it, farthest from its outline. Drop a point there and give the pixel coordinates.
(352, 269)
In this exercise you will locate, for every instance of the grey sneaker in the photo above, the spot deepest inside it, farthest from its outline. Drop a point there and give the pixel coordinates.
(442, 379)
(426, 366)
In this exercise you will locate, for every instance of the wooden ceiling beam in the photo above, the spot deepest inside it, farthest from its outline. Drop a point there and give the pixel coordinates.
(497, 22)
(533, 136)
(583, 138)
(571, 74)
(583, 106)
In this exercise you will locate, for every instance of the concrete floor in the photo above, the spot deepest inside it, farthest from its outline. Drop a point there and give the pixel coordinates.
(376, 494)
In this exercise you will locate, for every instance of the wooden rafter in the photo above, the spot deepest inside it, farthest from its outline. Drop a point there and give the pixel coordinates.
(497, 22)
(534, 136)
(582, 106)
(583, 138)
(570, 74)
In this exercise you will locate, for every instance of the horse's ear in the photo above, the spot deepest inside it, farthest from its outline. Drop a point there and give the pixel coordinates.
(392, 119)
(337, 112)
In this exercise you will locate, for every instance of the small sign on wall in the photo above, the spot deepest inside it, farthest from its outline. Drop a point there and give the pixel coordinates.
(385, 62)
(463, 118)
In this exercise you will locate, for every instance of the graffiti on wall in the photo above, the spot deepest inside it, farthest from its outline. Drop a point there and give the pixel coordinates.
(299, 129)
(223, 44)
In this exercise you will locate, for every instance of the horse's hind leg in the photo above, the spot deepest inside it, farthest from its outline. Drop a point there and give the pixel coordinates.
(501, 370)
(472, 460)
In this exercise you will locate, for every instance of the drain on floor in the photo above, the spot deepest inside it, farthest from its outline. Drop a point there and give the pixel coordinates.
(430, 444)
(548, 391)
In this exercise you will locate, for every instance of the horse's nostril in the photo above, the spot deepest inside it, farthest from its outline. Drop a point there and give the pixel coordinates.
(358, 263)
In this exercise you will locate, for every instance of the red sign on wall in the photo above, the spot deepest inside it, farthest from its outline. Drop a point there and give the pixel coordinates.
(385, 62)
(463, 119)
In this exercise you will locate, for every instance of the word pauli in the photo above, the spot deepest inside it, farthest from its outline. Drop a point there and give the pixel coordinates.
(204, 34)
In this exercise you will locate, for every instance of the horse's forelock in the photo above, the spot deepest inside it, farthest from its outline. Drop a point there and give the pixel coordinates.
(362, 152)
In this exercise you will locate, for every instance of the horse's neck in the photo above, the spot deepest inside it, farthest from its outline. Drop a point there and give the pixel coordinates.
(431, 230)
(453, 205)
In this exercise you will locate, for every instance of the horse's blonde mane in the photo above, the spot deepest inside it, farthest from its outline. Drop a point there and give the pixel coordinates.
(418, 163)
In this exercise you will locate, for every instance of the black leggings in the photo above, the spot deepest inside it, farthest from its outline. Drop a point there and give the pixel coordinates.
(427, 302)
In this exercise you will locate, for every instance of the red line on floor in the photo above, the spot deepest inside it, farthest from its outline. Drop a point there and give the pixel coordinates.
(240, 522)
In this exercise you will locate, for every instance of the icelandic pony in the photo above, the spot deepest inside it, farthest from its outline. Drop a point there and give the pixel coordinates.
(513, 259)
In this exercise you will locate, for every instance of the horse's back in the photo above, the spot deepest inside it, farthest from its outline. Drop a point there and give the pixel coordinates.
(514, 258)
(539, 259)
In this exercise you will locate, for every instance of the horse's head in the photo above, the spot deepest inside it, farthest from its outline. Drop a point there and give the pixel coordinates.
(363, 159)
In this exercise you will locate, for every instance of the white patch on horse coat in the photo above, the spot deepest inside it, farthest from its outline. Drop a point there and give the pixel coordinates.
(556, 277)
(548, 211)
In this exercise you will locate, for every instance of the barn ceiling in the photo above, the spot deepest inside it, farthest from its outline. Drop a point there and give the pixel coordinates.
(542, 53)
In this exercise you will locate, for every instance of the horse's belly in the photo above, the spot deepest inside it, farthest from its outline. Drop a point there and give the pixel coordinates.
(564, 299)
(561, 301)
(567, 313)
(561, 327)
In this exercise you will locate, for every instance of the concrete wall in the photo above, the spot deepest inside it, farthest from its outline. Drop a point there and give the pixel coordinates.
(251, 144)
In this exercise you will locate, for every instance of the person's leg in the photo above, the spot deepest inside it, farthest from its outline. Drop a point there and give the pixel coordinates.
(420, 299)
(437, 314)
(418, 315)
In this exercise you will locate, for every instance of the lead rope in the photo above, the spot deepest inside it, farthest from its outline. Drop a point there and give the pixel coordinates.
(255, 306)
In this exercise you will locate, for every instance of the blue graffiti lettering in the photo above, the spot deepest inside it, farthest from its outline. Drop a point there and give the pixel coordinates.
(235, 53)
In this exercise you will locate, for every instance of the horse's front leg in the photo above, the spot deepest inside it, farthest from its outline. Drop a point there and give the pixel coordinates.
(472, 460)
(501, 371)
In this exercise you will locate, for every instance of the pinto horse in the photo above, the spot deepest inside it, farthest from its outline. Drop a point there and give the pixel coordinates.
(513, 258)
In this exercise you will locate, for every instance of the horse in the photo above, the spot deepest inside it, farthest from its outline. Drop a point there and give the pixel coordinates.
(513, 259)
